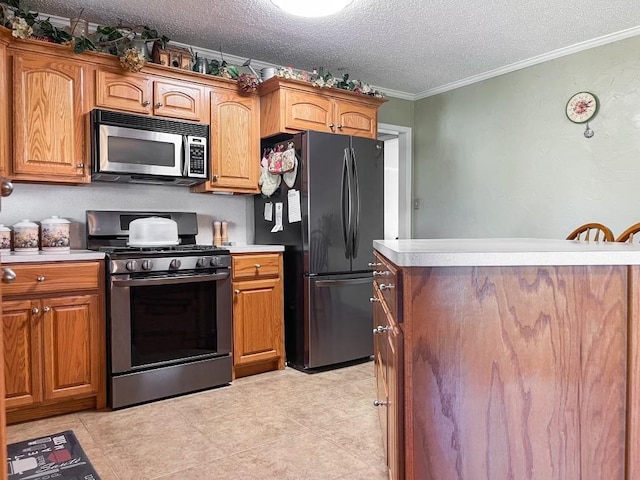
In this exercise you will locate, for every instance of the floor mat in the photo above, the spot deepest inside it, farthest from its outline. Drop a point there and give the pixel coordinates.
(55, 457)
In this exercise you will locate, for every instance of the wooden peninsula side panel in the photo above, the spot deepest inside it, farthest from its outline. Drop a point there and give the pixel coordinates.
(516, 372)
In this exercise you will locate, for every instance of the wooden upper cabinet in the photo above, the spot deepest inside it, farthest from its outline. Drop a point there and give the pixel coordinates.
(290, 106)
(178, 100)
(234, 143)
(145, 94)
(356, 119)
(120, 91)
(5, 111)
(307, 111)
(48, 126)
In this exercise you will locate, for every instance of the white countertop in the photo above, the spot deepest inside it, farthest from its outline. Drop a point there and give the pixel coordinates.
(460, 252)
(254, 248)
(73, 255)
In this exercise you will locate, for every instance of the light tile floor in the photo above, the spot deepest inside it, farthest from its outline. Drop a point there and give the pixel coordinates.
(278, 425)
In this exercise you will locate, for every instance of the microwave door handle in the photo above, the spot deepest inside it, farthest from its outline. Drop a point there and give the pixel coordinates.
(186, 157)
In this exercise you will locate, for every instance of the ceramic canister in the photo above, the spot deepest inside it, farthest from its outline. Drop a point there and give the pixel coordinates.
(55, 234)
(5, 239)
(25, 237)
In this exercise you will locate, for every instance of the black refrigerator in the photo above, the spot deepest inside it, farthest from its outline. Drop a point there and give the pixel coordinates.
(328, 254)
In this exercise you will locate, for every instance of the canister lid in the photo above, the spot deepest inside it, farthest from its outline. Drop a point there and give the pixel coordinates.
(4, 229)
(54, 219)
(25, 222)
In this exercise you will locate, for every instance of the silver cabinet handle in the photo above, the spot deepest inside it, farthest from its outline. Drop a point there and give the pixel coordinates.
(214, 178)
(8, 275)
(380, 403)
(340, 127)
(80, 165)
(146, 103)
(158, 105)
(331, 125)
(258, 265)
(381, 273)
(46, 309)
(40, 278)
(387, 286)
(381, 329)
(373, 265)
(374, 299)
(35, 310)
(236, 292)
(6, 188)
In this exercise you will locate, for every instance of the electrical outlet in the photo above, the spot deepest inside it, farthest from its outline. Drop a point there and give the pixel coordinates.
(416, 203)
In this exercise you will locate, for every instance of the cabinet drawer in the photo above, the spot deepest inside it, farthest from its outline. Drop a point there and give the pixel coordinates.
(388, 280)
(45, 278)
(255, 266)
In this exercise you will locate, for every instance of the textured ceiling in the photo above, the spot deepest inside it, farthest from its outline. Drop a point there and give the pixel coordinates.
(410, 46)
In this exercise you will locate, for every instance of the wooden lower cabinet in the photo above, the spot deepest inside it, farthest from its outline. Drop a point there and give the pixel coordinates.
(258, 313)
(388, 360)
(54, 351)
(510, 372)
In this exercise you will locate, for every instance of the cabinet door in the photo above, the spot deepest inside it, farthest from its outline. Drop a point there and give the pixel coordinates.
(5, 134)
(123, 91)
(380, 363)
(21, 331)
(71, 346)
(257, 321)
(395, 410)
(306, 111)
(48, 123)
(356, 119)
(175, 99)
(235, 142)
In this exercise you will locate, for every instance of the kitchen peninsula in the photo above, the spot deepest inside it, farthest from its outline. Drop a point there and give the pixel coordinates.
(508, 358)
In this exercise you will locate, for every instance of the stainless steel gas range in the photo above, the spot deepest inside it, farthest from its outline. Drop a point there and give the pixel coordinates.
(168, 310)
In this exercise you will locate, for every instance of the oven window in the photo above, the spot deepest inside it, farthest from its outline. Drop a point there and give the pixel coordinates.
(172, 322)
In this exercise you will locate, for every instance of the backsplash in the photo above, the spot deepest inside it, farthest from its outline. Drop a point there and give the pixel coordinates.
(38, 202)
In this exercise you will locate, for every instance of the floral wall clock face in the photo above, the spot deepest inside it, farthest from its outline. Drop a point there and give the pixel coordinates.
(582, 107)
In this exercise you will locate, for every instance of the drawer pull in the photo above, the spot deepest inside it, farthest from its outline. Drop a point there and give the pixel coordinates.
(380, 403)
(236, 292)
(46, 309)
(387, 286)
(258, 265)
(159, 104)
(381, 273)
(40, 278)
(374, 299)
(146, 103)
(6, 188)
(35, 310)
(373, 265)
(381, 329)
(80, 165)
(8, 275)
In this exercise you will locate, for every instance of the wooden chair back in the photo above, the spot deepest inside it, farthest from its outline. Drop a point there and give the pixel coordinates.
(628, 234)
(592, 232)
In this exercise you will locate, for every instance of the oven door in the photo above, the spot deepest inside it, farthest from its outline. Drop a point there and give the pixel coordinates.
(168, 319)
(133, 151)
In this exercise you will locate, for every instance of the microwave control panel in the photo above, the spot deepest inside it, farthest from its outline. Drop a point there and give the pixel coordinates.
(196, 165)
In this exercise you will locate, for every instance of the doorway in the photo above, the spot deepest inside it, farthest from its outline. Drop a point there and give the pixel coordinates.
(397, 180)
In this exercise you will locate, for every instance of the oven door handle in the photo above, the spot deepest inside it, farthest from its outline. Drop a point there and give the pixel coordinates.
(147, 282)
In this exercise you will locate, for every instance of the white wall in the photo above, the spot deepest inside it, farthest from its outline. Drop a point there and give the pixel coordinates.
(500, 158)
(391, 194)
(37, 202)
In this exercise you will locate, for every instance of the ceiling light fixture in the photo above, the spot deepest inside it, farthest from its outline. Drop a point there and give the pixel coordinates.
(309, 8)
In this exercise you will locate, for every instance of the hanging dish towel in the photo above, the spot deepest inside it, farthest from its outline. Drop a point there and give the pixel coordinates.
(268, 183)
(289, 158)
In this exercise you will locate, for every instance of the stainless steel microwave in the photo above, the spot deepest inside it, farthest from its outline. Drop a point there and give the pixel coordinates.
(142, 149)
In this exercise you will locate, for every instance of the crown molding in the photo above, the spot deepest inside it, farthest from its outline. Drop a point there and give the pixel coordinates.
(561, 52)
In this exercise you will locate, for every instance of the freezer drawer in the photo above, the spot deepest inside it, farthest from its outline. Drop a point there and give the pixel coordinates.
(339, 319)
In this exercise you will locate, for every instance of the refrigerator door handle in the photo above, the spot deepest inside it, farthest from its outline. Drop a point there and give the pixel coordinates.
(356, 203)
(349, 281)
(345, 204)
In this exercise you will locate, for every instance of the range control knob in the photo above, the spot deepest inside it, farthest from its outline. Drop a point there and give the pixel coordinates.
(147, 264)
(175, 264)
(132, 265)
(202, 262)
(215, 261)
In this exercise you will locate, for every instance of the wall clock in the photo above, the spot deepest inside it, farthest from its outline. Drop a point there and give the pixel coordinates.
(581, 108)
